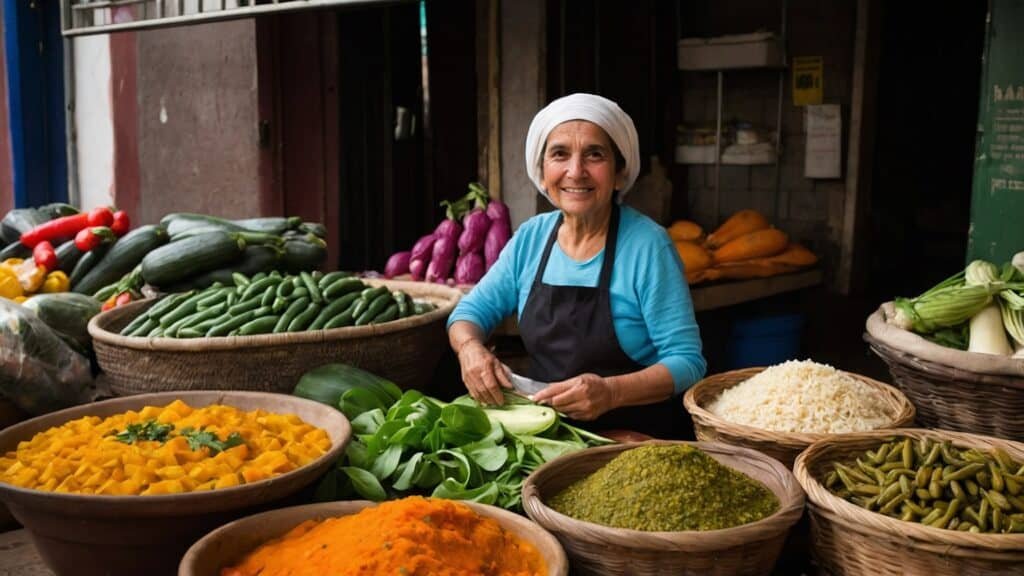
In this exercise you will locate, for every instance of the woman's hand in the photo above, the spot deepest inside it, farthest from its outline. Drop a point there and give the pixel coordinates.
(584, 397)
(483, 373)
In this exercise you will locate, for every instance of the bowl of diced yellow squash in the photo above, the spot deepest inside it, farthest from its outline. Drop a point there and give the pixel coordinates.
(125, 486)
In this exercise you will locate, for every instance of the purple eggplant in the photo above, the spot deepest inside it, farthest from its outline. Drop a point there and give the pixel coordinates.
(475, 226)
(422, 248)
(441, 260)
(449, 228)
(397, 264)
(497, 211)
(497, 237)
(469, 268)
(418, 269)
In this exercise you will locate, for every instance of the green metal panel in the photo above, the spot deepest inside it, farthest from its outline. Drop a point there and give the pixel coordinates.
(997, 202)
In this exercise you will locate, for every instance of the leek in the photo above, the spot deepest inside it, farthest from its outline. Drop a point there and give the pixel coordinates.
(943, 308)
(987, 333)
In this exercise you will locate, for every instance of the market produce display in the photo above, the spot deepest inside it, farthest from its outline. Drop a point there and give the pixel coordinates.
(413, 535)
(274, 303)
(666, 489)
(935, 484)
(979, 309)
(415, 444)
(803, 396)
(744, 246)
(469, 239)
(163, 450)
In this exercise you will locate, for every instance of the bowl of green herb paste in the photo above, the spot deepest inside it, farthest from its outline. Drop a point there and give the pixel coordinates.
(666, 508)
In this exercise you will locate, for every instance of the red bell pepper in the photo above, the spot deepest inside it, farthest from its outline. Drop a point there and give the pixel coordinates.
(89, 238)
(45, 256)
(67, 226)
(121, 223)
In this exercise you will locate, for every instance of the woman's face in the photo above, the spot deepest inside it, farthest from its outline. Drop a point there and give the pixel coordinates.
(579, 168)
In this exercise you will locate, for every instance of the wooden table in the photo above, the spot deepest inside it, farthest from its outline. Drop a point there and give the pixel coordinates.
(731, 293)
(18, 556)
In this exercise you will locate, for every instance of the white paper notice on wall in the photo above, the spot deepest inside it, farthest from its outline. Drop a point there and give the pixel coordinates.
(824, 141)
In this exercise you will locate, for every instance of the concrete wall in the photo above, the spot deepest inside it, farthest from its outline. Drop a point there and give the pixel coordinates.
(197, 120)
(807, 209)
(94, 124)
(522, 95)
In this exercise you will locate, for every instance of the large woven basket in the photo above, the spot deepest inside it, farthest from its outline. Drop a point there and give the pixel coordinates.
(593, 549)
(405, 351)
(951, 389)
(852, 541)
(783, 446)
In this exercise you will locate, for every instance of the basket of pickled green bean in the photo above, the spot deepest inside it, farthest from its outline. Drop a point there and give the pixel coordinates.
(912, 501)
(263, 333)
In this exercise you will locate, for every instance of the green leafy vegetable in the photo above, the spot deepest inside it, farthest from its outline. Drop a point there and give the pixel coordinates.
(461, 450)
(149, 430)
(198, 439)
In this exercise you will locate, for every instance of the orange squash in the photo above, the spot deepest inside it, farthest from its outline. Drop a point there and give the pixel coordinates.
(685, 231)
(695, 257)
(758, 244)
(739, 224)
(794, 255)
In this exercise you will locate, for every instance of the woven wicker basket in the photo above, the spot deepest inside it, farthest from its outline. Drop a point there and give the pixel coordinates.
(783, 446)
(852, 541)
(955, 399)
(405, 351)
(593, 549)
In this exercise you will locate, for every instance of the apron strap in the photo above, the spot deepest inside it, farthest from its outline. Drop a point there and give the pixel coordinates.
(605, 280)
(610, 242)
(547, 251)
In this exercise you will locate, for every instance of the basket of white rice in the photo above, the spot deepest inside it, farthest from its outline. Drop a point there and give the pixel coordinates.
(785, 408)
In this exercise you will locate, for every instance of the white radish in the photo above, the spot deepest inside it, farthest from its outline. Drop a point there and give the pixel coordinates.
(987, 333)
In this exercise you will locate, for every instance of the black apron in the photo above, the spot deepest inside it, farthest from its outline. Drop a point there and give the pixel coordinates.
(568, 331)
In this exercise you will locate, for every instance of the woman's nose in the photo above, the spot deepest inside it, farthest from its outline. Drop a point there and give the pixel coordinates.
(575, 168)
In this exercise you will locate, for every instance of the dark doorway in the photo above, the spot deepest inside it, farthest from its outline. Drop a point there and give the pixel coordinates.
(369, 121)
(929, 77)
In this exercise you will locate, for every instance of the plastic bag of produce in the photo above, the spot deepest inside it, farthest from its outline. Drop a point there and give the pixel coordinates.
(39, 372)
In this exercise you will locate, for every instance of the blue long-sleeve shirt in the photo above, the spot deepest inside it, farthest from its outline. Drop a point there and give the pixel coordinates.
(651, 308)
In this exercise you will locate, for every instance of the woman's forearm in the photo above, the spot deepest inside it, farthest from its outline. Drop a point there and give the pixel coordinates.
(462, 332)
(652, 384)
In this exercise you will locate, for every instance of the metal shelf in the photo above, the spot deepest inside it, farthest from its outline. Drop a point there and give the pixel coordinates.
(83, 17)
(775, 59)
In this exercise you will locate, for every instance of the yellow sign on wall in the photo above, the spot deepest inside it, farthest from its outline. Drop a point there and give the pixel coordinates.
(807, 80)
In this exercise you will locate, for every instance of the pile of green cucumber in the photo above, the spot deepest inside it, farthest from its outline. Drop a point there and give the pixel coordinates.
(274, 303)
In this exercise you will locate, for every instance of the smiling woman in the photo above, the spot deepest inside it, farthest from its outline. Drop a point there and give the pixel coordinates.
(604, 310)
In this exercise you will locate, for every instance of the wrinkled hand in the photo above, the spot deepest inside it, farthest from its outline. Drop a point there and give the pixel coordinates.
(584, 397)
(483, 374)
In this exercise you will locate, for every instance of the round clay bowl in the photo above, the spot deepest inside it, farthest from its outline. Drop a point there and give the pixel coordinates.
(228, 544)
(89, 535)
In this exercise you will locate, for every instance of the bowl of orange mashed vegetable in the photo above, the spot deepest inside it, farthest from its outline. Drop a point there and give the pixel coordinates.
(413, 536)
(124, 486)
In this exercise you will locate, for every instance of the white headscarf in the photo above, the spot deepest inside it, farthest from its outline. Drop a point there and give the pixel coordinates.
(592, 108)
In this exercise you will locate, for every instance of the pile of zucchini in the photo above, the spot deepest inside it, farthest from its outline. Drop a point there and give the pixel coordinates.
(274, 303)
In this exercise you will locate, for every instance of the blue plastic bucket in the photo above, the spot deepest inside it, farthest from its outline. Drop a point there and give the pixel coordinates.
(765, 341)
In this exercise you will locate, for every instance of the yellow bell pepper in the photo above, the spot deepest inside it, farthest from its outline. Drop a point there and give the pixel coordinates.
(9, 286)
(56, 281)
